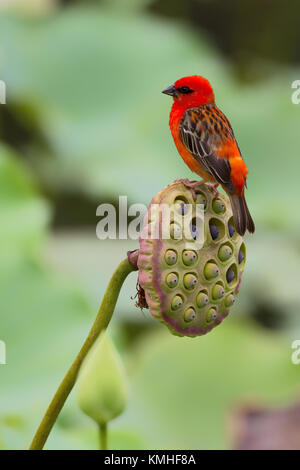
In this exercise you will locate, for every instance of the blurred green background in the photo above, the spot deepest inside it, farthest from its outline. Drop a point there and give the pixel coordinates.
(85, 122)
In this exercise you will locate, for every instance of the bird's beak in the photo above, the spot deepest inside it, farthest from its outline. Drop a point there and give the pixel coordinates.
(171, 90)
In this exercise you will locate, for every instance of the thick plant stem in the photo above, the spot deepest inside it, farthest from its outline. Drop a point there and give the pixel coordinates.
(102, 320)
(103, 436)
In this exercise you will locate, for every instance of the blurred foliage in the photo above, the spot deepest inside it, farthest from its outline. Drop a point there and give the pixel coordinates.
(245, 31)
(96, 120)
(85, 122)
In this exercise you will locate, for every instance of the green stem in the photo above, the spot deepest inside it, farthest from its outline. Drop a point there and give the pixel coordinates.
(102, 320)
(103, 436)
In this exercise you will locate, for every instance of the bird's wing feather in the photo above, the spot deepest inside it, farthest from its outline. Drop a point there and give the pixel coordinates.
(203, 130)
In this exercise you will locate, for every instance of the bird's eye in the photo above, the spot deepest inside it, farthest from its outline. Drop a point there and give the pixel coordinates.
(185, 90)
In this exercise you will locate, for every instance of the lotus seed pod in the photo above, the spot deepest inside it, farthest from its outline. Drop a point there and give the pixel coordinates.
(102, 389)
(189, 314)
(190, 281)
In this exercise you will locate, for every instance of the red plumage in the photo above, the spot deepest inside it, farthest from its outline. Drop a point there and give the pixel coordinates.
(205, 140)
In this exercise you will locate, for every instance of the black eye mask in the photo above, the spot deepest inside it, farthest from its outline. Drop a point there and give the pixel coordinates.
(185, 90)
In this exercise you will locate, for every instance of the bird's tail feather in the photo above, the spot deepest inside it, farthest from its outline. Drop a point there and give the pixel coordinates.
(241, 215)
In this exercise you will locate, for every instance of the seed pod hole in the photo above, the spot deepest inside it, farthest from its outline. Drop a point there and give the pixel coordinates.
(189, 314)
(177, 302)
(217, 229)
(202, 299)
(189, 257)
(218, 291)
(195, 227)
(172, 280)
(175, 231)
(181, 205)
(231, 228)
(231, 274)
(218, 206)
(242, 254)
(211, 270)
(171, 257)
(201, 199)
(225, 252)
(190, 281)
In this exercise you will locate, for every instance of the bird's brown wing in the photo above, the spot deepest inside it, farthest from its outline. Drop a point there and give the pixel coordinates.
(203, 130)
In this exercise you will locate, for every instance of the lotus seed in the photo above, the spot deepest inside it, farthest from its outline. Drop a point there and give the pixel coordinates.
(229, 301)
(211, 315)
(231, 230)
(218, 292)
(202, 299)
(191, 287)
(194, 231)
(218, 206)
(181, 207)
(201, 199)
(190, 281)
(189, 257)
(230, 275)
(214, 231)
(175, 232)
(225, 252)
(241, 257)
(189, 314)
(176, 302)
(211, 270)
(172, 280)
(171, 257)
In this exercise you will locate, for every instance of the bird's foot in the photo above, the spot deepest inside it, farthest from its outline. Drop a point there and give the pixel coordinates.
(214, 188)
(191, 185)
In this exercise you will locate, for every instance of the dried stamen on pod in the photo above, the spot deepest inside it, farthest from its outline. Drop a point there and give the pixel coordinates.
(190, 279)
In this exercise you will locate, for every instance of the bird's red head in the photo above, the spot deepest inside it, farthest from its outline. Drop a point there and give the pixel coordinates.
(191, 91)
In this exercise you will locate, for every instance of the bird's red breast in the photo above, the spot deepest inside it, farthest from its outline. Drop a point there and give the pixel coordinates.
(204, 137)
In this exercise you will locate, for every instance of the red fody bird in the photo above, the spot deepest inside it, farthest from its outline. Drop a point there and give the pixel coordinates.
(205, 140)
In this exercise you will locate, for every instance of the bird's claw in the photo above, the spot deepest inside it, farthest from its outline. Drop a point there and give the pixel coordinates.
(191, 185)
(214, 188)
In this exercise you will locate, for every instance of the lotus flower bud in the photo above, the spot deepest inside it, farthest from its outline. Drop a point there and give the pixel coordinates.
(102, 389)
